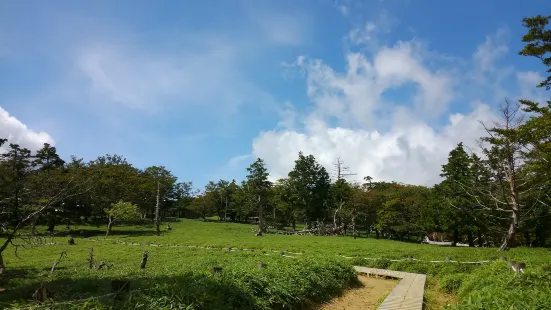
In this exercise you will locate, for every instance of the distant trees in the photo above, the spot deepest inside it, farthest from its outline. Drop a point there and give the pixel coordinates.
(500, 194)
(31, 186)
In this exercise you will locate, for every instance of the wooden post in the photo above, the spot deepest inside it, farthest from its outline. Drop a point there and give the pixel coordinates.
(144, 259)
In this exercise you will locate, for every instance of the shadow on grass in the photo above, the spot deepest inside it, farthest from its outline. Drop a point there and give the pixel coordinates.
(202, 291)
(193, 290)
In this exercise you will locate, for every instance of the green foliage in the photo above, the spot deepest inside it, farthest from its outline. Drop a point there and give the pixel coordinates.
(451, 283)
(258, 189)
(538, 43)
(122, 211)
(309, 184)
(495, 287)
(401, 210)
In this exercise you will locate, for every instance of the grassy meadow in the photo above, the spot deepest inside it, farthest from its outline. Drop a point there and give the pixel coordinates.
(211, 265)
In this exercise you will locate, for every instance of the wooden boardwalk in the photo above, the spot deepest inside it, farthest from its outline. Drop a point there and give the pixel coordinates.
(407, 295)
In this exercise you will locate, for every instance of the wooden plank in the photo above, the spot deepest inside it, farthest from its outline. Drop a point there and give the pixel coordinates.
(407, 295)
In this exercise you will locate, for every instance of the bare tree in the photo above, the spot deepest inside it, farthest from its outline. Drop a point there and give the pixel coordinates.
(508, 185)
(504, 154)
(11, 228)
(340, 170)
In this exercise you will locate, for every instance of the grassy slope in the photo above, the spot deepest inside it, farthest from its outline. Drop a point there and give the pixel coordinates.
(182, 276)
(194, 232)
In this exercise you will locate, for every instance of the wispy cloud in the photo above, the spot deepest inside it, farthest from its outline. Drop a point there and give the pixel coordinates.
(237, 160)
(280, 27)
(130, 76)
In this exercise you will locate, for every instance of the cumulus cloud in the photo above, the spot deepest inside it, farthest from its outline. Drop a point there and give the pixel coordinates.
(387, 138)
(356, 96)
(412, 153)
(16, 132)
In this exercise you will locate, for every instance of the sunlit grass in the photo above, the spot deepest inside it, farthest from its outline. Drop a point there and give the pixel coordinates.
(179, 273)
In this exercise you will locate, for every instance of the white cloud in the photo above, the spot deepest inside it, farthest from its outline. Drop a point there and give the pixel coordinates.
(355, 96)
(17, 132)
(288, 116)
(494, 47)
(343, 9)
(411, 153)
(527, 82)
(486, 71)
(370, 33)
(384, 137)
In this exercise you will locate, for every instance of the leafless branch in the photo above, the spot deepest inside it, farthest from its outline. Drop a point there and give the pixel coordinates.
(63, 254)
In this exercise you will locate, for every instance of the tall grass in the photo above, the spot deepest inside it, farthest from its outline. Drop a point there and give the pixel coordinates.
(182, 277)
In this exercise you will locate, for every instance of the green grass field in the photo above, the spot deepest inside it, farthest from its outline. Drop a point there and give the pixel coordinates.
(180, 275)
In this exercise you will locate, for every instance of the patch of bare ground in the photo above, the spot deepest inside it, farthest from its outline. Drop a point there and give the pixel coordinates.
(368, 296)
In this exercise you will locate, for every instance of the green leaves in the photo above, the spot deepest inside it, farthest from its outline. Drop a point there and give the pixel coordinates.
(257, 178)
(309, 183)
(538, 43)
(123, 211)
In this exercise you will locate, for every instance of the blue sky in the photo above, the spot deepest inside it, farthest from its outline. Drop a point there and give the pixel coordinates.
(204, 87)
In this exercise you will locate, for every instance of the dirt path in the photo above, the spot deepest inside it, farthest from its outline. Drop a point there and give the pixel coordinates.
(365, 297)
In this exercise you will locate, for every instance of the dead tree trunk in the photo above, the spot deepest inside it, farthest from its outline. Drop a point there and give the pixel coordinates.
(109, 226)
(260, 218)
(506, 156)
(509, 240)
(341, 204)
(157, 208)
(144, 259)
(63, 254)
(91, 259)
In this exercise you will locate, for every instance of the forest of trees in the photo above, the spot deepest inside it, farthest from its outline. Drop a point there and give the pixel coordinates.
(496, 195)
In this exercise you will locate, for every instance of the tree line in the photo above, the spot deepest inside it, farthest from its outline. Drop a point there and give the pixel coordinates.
(497, 195)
